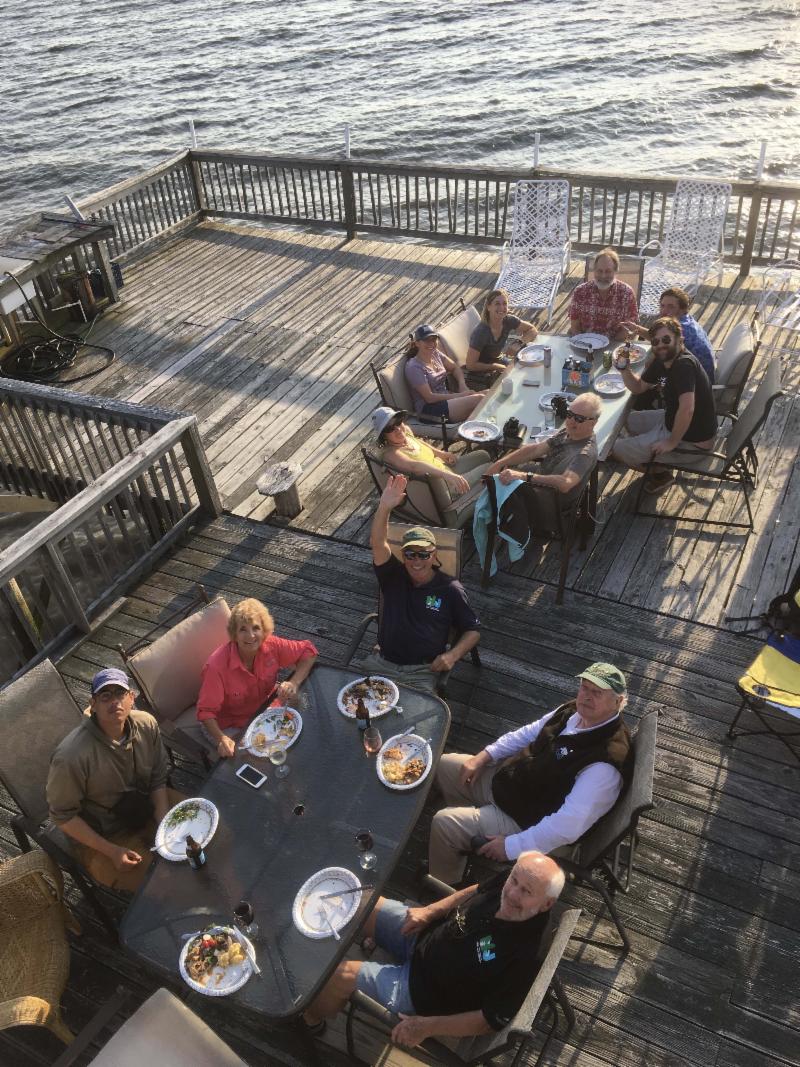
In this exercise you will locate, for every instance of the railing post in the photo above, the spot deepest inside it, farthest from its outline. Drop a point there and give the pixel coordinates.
(197, 184)
(207, 494)
(67, 590)
(349, 194)
(752, 227)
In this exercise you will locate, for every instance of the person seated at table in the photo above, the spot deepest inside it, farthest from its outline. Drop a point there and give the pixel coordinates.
(421, 604)
(465, 962)
(107, 784)
(603, 305)
(565, 458)
(426, 372)
(240, 675)
(674, 304)
(539, 787)
(688, 417)
(489, 339)
(452, 475)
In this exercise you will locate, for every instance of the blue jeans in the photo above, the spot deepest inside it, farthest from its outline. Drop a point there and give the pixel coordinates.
(388, 982)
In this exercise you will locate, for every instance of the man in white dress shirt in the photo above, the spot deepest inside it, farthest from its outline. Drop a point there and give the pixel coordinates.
(540, 787)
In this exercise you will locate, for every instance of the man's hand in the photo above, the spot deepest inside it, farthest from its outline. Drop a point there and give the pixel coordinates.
(660, 447)
(411, 1031)
(461, 485)
(416, 920)
(123, 858)
(445, 661)
(494, 849)
(395, 490)
(286, 692)
(471, 767)
(508, 476)
(226, 747)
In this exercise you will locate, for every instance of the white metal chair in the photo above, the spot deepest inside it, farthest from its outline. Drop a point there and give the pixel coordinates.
(779, 305)
(534, 263)
(692, 245)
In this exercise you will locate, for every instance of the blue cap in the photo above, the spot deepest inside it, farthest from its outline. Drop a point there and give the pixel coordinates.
(423, 332)
(110, 676)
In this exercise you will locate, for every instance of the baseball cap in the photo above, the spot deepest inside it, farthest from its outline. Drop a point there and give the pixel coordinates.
(110, 676)
(606, 676)
(381, 417)
(423, 332)
(418, 535)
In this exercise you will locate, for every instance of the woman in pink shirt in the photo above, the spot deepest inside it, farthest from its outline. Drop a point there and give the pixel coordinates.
(240, 675)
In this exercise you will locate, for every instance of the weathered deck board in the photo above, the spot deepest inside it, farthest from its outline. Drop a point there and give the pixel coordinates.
(712, 910)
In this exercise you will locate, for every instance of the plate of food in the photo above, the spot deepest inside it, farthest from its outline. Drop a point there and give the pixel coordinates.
(478, 430)
(379, 694)
(531, 354)
(546, 399)
(315, 911)
(638, 353)
(404, 761)
(274, 724)
(610, 384)
(214, 961)
(195, 817)
(584, 340)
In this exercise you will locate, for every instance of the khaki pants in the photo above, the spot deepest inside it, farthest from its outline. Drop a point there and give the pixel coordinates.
(417, 675)
(453, 827)
(129, 879)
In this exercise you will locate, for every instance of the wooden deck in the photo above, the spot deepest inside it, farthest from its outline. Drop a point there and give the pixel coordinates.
(710, 980)
(266, 334)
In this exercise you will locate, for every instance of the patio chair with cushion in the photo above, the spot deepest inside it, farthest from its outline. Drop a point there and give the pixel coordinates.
(393, 388)
(546, 994)
(34, 962)
(427, 497)
(631, 271)
(734, 362)
(595, 860)
(454, 337)
(537, 258)
(449, 551)
(36, 713)
(168, 672)
(733, 460)
(770, 690)
(692, 244)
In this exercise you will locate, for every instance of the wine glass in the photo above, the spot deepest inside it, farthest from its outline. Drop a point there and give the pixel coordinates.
(277, 757)
(244, 919)
(372, 740)
(364, 843)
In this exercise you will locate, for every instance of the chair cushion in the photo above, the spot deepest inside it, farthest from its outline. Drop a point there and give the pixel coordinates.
(165, 1032)
(394, 386)
(168, 670)
(455, 334)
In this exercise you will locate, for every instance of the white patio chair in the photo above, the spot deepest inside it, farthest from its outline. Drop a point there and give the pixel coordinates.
(779, 305)
(534, 263)
(692, 245)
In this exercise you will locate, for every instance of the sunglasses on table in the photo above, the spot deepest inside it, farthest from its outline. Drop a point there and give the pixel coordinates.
(417, 553)
(579, 418)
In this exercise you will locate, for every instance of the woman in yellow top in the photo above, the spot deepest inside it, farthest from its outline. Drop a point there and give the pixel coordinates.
(404, 451)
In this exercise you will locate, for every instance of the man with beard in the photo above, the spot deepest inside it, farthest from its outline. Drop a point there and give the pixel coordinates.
(688, 418)
(674, 304)
(604, 304)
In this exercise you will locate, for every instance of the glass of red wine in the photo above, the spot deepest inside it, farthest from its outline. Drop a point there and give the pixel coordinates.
(244, 918)
(364, 843)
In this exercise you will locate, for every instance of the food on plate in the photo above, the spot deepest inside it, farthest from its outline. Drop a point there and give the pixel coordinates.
(259, 740)
(480, 434)
(393, 753)
(402, 773)
(376, 690)
(210, 952)
(181, 814)
(275, 728)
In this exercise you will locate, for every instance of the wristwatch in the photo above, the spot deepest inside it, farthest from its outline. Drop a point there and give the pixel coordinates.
(529, 478)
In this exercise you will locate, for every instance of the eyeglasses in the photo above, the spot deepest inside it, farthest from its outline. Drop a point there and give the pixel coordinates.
(579, 418)
(416, 553)
(657, 341)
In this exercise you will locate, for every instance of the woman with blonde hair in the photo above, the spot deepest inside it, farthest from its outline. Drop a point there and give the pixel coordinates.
(240, 675)
(489, 338)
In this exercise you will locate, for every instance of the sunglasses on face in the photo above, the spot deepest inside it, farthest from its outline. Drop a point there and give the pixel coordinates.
(661, 341)
(579, 418)
(416, 553)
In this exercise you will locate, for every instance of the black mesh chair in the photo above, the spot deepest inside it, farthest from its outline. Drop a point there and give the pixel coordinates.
(36, 713)
(545, 996)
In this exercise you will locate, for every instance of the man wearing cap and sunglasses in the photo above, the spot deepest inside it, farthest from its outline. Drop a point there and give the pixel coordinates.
(107, 785)
(421, 604)
(540, 787)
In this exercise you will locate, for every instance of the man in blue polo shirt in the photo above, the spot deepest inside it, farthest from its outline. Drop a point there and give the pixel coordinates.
(421, 604)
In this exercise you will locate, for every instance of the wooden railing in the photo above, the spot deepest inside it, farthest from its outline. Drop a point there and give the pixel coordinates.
(129, 482)
(442, 202)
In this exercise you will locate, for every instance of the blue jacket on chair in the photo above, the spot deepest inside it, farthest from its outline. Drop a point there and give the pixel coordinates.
(512, 522)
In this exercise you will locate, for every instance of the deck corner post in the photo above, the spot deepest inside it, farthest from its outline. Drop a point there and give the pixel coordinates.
(349, 196)
(207, 495)
(752, 226)
(197, 182)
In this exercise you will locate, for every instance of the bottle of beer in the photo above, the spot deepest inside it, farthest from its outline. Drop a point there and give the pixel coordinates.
(195, 853)
(362, 714)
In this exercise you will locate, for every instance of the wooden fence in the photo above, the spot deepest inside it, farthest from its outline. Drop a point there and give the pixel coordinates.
(129, 482)
(440, 202)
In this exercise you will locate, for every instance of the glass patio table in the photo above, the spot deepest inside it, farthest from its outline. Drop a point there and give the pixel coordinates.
(270, 840)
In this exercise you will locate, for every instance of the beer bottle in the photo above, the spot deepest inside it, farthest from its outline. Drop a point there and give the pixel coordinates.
(362, 714)
(195, 853)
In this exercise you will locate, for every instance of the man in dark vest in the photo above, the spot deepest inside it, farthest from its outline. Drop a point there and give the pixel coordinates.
(540, 787)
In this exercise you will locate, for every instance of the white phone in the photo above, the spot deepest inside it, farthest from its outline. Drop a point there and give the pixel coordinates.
(251, 775)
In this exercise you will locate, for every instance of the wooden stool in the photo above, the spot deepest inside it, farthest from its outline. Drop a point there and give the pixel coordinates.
(280, 482)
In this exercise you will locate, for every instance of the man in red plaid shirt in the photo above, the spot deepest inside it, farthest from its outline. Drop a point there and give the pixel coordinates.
(604, 304)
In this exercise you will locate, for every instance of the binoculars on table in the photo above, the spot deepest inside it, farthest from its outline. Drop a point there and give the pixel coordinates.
(560, 404)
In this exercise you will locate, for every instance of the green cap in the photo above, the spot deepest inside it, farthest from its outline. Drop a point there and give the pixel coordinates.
(418, 535)
(606, 676)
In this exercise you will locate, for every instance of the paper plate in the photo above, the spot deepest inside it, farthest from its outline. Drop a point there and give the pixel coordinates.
(638, 353)
(610, 384)
(223, 980)
(376, 705)
(477, 430)
(308, 905)
(531, 354)
(545, 398)
(194, 817)
(583, 340)
(408, 747)
(274, 724)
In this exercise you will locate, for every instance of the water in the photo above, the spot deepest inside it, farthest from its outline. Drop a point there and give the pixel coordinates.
(92, 93)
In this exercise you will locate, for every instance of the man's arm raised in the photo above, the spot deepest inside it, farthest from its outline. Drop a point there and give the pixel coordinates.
(391, 497)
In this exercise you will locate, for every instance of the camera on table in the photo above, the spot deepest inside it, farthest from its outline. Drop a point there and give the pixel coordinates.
(560, 406)
(511, 427)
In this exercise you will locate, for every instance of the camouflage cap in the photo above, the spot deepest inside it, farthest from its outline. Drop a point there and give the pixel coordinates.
(606, 676)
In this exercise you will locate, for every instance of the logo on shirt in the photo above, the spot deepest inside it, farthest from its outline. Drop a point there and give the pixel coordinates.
(433, 602)
(485, 948)
(562, 752)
